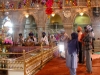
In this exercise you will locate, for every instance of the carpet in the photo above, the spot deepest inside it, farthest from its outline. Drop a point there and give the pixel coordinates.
(57, 66)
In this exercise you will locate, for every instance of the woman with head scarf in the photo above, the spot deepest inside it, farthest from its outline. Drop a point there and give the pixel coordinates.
(73, 49)
(87, 47)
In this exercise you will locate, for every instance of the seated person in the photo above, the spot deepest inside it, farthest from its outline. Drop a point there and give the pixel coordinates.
(20, 40)
(44, 39)
(31, 40)
(53, 40)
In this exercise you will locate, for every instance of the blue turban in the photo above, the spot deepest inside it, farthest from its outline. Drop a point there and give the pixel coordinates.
(31, 34)
(43, 33)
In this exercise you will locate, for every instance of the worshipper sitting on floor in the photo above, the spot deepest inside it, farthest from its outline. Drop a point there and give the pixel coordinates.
(53, 40)
(20, 40)
(44, 39)
(73, 49)
(31, 40)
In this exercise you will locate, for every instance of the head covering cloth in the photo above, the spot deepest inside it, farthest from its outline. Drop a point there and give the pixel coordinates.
(31, 34)
(79, 28)
(74, 35)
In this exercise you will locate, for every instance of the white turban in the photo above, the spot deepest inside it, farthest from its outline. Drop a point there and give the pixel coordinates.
(89, 28)
(62, 30)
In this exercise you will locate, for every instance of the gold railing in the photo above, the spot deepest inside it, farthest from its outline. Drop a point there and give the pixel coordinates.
(29, 62)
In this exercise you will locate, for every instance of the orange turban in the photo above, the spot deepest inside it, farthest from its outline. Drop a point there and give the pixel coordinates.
(79, 28)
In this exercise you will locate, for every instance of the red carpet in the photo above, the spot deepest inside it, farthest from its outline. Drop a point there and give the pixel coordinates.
(57, 66)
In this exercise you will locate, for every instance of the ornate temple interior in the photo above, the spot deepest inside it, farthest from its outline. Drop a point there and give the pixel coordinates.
(31, 19)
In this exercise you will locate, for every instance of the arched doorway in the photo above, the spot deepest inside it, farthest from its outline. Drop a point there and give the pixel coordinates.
(30, 25)
(82, 21)
(55, 24)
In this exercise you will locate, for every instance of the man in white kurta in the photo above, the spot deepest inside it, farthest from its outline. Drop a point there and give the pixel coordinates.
(63, 40)
(44, 39)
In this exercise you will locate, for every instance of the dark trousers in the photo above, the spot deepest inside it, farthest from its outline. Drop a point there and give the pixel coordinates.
(80, 52)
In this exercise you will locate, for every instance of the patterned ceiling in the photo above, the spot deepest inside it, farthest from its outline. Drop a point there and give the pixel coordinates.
(22, 4)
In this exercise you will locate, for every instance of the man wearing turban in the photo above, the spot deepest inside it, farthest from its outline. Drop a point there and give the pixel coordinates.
(64, 38)
(79, 30)
(44, 39)
(87, 47)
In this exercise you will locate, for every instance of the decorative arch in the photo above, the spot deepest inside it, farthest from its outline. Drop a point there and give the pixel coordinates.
(55, 23)
(56, 18)
(74, 16)
(23, 23)
(77, 18)
(35, 17)
(56, 11)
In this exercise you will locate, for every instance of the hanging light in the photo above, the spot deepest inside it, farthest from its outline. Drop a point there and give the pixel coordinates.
(27, 15)
(53, 14)
(81, 13)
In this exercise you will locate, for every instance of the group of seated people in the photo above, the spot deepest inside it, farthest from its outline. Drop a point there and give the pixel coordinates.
(31, 40)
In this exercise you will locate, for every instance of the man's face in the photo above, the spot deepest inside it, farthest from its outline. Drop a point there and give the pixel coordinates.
(20, 35)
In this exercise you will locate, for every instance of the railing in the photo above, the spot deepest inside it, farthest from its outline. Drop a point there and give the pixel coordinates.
(28, 63)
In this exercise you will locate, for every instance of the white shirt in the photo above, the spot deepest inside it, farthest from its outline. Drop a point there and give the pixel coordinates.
(45, 40)
(53, 39)
(91, 34)
(20, 39)
(30, 40)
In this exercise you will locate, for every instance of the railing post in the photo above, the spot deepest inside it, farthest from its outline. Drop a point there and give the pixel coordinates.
(41, 54)
(24, 62)
(52, 49)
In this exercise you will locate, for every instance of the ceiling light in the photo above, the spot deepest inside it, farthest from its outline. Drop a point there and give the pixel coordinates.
(81, 14)
(27, 15)
(53, 14)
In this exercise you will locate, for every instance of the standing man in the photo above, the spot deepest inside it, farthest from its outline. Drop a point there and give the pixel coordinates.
(87, 44)
(64, 40)
(79, 30)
